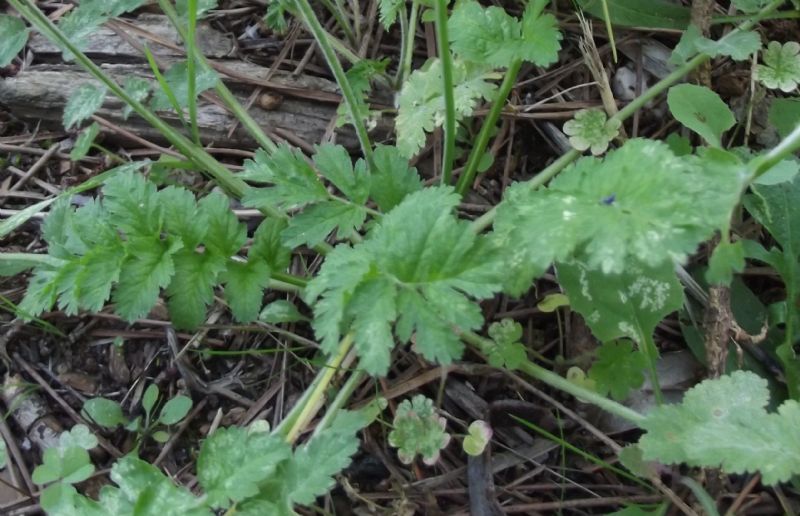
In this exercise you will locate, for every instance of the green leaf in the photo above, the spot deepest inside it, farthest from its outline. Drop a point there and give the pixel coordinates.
(267, 245)
(183, 217)
(775, 207)
(83, 103)
(372, 308)
(225, 235)
(724, 422)
(281, 311)
(686, 47)
(84, 142)
(728, 257)
(69, 465)
(781, 68)
(629, 304)
(177, 79)
(14, 35)
(739, 46)
(244, 288)
(3, 454)
(784, 114)
(491, 36)
(359, 76)
(655, 14)
(392, 180)
(294, 181)
(701, 110)
(148, 268)
(133, 204)
(233, 463)
(480, 433)
(389, 10)
(143, 489)
(618, 369)
(160, 436)
(63, 499)
(174, 410)
(316, 222)
(418, 429)
(138, 89)
(552, 302)
(508, 351)
(78, 435)
(191, 289)
(613, 212)
(311, 470)
(591, 129)
(417, 265)
(334, 163)
(105, 412)
(150, 398)
(421, 101)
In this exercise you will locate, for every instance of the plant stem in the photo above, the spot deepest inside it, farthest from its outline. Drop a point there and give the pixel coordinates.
(30, 258)
(340, 19)
(478, 148)
(780, 152)
(551, 171)
(353, 106)
(312, 398)
(550, 378)
(443, 45)
(224, 93)
(407, 51)
(648, 347)
(191, 64)
(340, 400)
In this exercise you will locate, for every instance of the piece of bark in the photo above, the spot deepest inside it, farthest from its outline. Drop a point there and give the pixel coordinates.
(105, 45)
(308, 107)
(42, 91)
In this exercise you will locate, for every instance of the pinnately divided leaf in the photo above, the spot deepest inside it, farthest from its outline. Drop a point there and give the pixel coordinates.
(492, 36)
(233, 463)
(724, 422)
(137, 241)
(416, 269)
(639, 205)
(421, 102)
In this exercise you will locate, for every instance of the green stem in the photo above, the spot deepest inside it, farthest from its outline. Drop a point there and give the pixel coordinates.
(284, 286)
(340, 400)
(312, 399)
(33, 260)
(551, 171)
(340, 20)
(550, 378)
(191, 65)
(443, 45)
(297, 281)
(780, 152)
(407, 52)
(648, 347)
(353, 106)
(478, 149)
(230, 100)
